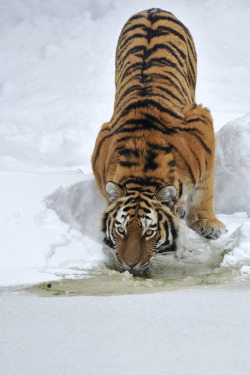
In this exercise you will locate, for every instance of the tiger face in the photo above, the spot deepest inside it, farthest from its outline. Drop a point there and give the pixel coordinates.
(139, 224)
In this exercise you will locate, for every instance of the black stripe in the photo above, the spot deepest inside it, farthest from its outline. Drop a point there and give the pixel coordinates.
(181, 53)
(146, 210)
(168, 92)
(148, 102)
(180, 189)
(173, 230)
(198, 162)
(197, 119)
(167, 48)
(128, 194)
(155, 146)
(125, 209)
(133, 191)
(177, 79)
(188, 130)
(168, 249)
(128, 164)
(123, 139)
(190, 65)
(146, 203)
(104, 222)
(186, 163)
(193, 133)
(170, 30)
(150, 196)
(161, 61)
(172, 19)
(129, 201)
(143, 123)
(142, 127)
(151, 94)
(156, 120)
(108, 242)
(128, 70)
(127, 92)
(158, 76)
(150, 163)
(172, 163)
(133, 50)
(143, 181)
(127, 152)
(131, 28)
(136, 17)
(192, 47)
(165, 226)
(122, 46)
(206, 148)
(125, 84)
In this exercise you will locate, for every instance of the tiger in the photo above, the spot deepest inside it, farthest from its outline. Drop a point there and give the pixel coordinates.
(154, 160)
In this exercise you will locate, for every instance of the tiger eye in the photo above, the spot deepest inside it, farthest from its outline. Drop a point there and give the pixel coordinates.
(149, 232)
(121, 230)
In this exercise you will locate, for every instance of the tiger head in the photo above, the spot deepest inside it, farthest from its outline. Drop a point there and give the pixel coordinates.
(138, 224)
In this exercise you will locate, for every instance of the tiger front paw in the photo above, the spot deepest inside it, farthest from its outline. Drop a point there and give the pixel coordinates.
(209, 228)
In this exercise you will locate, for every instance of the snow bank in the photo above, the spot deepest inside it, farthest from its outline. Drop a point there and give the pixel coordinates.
(232, 174)
(35, 244)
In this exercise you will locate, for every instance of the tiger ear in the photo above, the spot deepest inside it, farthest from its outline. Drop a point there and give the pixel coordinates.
(114, 191)
(167, 195)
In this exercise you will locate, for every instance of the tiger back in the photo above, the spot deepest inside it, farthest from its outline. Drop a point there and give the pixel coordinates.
(158, 149)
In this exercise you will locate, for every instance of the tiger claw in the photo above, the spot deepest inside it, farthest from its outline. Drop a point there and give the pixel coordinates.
(210, 229)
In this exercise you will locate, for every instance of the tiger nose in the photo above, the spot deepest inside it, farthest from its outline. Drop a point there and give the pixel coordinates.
(131, 264)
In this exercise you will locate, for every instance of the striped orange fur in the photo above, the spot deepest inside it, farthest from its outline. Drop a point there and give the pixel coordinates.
(158, 149)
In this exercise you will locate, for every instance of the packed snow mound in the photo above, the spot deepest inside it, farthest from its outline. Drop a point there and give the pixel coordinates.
(232, 173)
(36, 245)
(79, 205)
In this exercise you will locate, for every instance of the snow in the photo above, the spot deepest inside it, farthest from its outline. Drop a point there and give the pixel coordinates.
(56, 89)
(175, 333)
(232, 180)
(34, 240)
(57, 73)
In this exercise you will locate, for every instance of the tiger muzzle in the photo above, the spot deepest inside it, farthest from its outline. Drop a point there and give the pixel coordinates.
(133, 254)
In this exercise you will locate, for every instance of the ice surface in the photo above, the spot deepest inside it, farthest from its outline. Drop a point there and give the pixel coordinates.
(190, 332)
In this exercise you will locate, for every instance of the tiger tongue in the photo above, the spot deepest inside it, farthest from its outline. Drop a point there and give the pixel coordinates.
(133, 272)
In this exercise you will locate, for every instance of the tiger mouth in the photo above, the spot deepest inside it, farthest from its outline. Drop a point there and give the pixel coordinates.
(134, 272)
